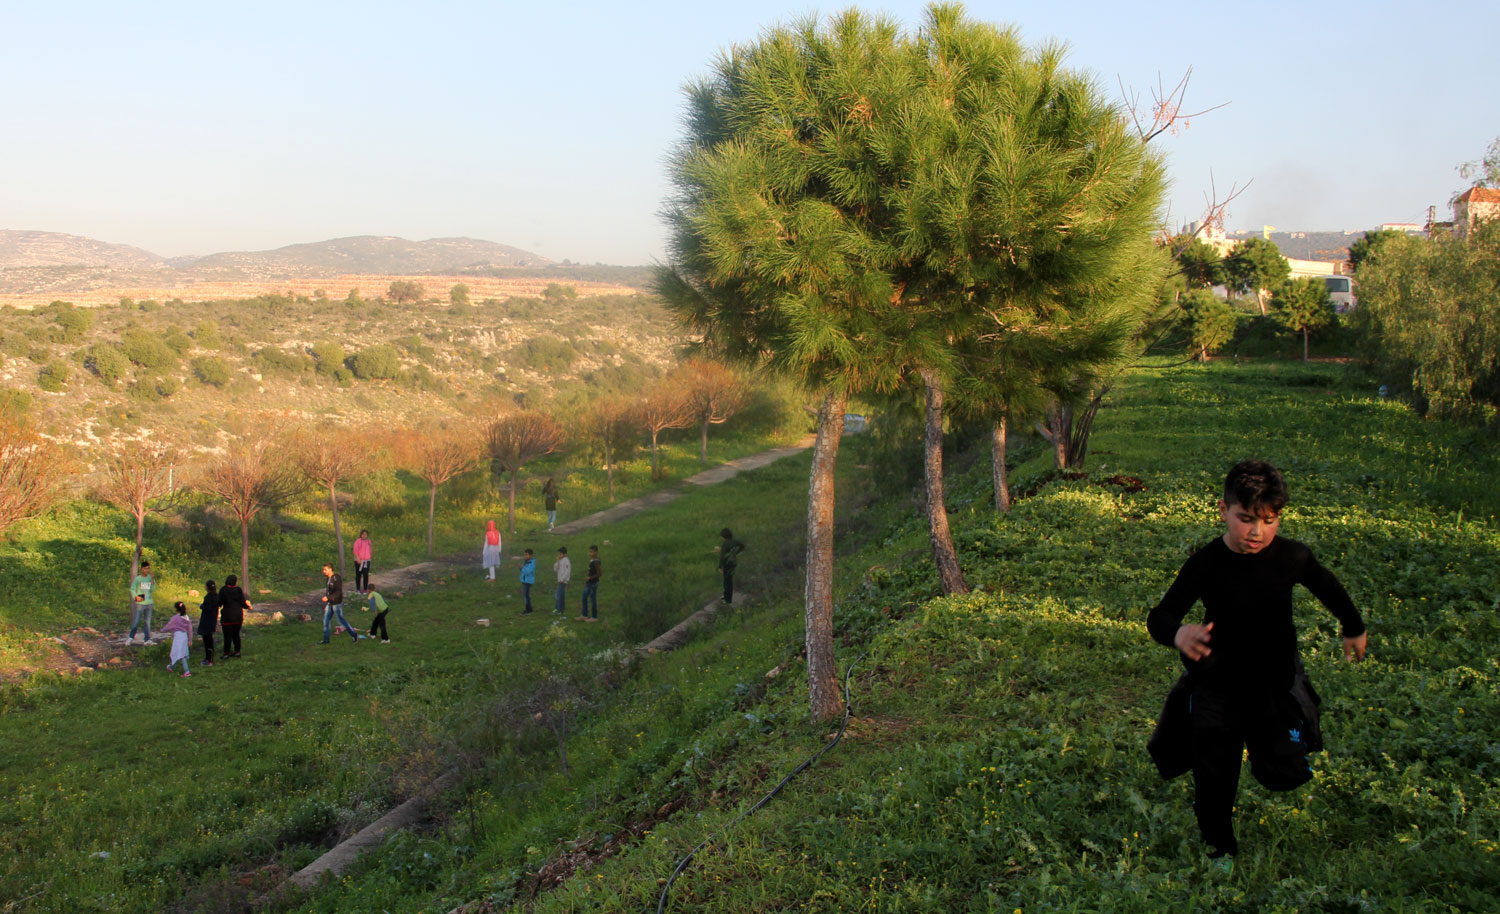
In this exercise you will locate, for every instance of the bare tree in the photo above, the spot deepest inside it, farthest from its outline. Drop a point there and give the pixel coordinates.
(516, 439)
(438, 452)
(33, 471)
(610, 417)
(250, 476)
(328, 455)
(665, 405)
(135, 480)
(715, 391)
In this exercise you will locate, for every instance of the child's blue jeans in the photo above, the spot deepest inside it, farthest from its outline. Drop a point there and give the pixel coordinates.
(590, 594)
(562, 599)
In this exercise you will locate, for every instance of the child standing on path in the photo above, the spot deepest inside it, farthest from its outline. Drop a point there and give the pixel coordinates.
(379, 607)
(232, 606)
(729, 558)
(591, 586)
(182, 638)
(364, 551)
(528, 578)
(549, 496)
(142, 600)
(564, 569)
(208, 622)
(333, 605)
(490, 552)
(1242, 661)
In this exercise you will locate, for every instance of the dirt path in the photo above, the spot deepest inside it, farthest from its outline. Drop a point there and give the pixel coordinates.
(85, 649)
(720, 473)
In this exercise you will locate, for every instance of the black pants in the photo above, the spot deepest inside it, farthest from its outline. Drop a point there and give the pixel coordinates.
(729, 584)
(1224, 726)
(379, 625)
(362, 576)
(208, 646)
(231, 639)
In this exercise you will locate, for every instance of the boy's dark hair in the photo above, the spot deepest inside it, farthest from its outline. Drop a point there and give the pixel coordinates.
(1256, 485)
(726, 534)
(593, 548)
(529, 552)
(145, 565)
(562, 550)
(231, 581)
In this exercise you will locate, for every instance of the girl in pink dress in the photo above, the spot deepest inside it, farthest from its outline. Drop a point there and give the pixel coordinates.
(182, 638)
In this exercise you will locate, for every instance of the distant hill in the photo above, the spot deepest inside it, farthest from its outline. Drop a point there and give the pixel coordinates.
(362, 254)
(23, 250)
(1309, 245)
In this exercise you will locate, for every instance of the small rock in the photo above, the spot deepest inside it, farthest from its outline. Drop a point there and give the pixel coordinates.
(84, 669)
(263, 590)
(115, 661)
(304, 617)
(102, 855)
(194, 594)
(276, 616)
(482, 623)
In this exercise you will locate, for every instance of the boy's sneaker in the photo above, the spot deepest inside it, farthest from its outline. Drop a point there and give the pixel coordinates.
(186, 675)
(208, 663)
(385, 641)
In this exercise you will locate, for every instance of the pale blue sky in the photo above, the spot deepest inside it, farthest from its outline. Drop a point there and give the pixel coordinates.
(189, 128)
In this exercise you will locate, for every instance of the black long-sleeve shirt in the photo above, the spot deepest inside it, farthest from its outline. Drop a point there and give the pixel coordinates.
(1248, 598)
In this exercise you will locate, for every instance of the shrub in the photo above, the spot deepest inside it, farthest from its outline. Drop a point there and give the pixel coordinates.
(271, 360)
(211, 370)
(329, 357)
(40, 355)
(177, 341)
(146, 349)
(108, 362)
(545, 353)
(14, 402)
(377, 362)
(206, 335)
(14, 345)
(54, 377)
(73, 323)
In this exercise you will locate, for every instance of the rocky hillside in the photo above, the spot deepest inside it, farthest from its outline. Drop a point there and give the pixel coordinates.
(361, 254)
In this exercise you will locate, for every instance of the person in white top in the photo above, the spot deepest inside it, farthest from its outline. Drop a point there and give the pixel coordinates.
(564, 569)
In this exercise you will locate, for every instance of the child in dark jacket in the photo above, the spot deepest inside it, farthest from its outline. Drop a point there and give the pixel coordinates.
(208, 622)
(1242, 661)
(232, 606)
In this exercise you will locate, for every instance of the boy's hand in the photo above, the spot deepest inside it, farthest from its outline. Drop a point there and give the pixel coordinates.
(1354, 648)
(1192, 640)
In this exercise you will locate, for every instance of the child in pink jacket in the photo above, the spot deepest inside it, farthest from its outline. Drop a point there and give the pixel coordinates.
(181, 630)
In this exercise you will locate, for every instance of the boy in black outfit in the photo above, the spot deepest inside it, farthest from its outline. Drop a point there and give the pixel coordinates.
(1242, 661)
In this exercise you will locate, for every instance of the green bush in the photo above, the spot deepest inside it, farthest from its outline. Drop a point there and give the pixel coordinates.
(329, 357)
(40, 355)
(377, 362)
(108, 362)
(211, 370)
(14, 402)
(271, 360)
(14, 345)
(73, 323)
(146, 349)
(177, 341)
(206, 335)
(545, 353)
(54, 377)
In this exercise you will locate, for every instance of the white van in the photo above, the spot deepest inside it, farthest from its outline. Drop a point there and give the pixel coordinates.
(1341, 292)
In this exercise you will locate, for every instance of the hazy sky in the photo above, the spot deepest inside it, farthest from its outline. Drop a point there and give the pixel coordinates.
(199, 127)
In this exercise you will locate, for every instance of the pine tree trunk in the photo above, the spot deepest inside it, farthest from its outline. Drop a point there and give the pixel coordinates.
(1304, 345)
(950, 575)
(997, 458)
(1060, 422)
(822, 673)
(655, 470)
(338, 531)
(703, 444)
(431, 514)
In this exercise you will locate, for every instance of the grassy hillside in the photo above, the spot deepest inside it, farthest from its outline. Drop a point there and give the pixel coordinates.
(996, 760)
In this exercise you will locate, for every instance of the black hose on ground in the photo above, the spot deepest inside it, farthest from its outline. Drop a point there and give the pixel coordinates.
(682, 864)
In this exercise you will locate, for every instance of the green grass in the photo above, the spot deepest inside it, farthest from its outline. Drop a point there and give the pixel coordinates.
(997, 759)
(72, 567)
